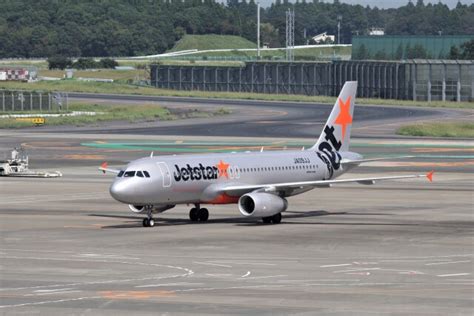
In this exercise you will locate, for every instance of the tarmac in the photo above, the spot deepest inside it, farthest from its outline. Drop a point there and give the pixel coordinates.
(403, 247)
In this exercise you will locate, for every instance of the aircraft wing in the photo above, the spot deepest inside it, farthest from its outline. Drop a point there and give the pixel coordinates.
(317, 183)
(104, 168)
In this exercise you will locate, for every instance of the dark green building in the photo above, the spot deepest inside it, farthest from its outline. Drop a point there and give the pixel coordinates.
(398, 47)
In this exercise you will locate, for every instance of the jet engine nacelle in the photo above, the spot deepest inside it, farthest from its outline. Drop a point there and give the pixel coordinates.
(156, 208)
(259, 204)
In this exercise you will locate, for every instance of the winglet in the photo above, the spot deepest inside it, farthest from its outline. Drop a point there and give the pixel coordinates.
(429, 175)
(104, 166)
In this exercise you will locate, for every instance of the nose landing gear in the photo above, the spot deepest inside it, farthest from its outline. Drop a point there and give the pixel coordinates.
(198, 214)
(149, 221)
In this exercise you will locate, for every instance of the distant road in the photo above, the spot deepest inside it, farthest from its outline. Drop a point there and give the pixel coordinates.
(255, 118)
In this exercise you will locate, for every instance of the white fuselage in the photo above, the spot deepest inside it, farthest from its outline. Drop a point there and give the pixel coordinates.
(198, 178)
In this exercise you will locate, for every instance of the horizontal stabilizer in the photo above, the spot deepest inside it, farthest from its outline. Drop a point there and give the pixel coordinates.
(104, 168)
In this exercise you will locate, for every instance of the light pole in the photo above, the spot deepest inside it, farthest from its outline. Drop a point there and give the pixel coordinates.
(339, 19)
(258, 30)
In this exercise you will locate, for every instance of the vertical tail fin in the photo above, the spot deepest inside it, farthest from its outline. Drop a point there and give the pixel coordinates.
(337, 129)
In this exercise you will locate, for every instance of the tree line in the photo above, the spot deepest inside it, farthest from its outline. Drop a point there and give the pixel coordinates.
(61, 62)
(45, 28)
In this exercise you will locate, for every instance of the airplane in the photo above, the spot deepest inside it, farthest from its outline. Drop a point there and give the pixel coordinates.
(259, 182)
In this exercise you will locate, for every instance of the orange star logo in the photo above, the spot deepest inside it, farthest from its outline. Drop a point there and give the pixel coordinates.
(222, 166)
(344, 118)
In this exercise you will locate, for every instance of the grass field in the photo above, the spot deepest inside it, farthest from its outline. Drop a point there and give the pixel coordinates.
(120, 88)
(212, 41)
(313, 53)
(136, 113)
(104, 113)
(439, 129)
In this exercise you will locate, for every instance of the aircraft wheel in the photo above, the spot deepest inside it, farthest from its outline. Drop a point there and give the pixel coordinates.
(194, 214)
(146, 222)
(267, 220)
(151, 222)
(203, 214)
(276, 219)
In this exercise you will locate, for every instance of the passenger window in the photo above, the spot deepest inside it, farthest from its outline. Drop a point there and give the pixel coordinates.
(139, 174)
(129, 174)
(120, 174)
(146, 174)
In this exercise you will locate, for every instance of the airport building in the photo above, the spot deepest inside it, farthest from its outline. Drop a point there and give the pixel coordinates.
(13, 73)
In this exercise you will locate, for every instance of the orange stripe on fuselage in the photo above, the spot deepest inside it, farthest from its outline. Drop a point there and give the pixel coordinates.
(224, 199)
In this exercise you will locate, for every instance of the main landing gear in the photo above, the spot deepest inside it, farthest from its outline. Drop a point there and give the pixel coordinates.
(198, 214)
(275, 219)
(149, 221)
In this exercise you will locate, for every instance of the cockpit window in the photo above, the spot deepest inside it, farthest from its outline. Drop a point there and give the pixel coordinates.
(129, 174)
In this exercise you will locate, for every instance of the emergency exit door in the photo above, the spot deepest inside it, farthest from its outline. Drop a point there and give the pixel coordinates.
(165, 174)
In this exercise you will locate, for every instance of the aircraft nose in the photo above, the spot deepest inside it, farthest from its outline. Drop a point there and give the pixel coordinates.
(119, 191)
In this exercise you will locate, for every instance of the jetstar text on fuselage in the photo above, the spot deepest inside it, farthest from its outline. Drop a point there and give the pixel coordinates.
(190, 173)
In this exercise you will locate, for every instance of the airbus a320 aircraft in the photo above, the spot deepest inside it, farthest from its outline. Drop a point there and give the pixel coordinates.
(259, 182)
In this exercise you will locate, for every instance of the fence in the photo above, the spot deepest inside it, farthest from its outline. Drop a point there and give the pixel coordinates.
(22, 101)
(428, 80)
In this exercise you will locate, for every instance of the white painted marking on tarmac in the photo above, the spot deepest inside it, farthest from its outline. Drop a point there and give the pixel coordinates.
(213, 264)
(365, 262)
(51, 302)
(410, 259)
(336, 265)
(447, 262)
(252, 263)
(266, 277)
(187, 273)
(35, 250)
(106, 256)
(323, 280)
(55, 290)
(451, 275)
(231, 288)
(167, 284)
(246, 274)
(356, 270)
(54, 293)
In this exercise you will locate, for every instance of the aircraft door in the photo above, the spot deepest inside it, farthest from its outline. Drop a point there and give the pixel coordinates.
(165, 174)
